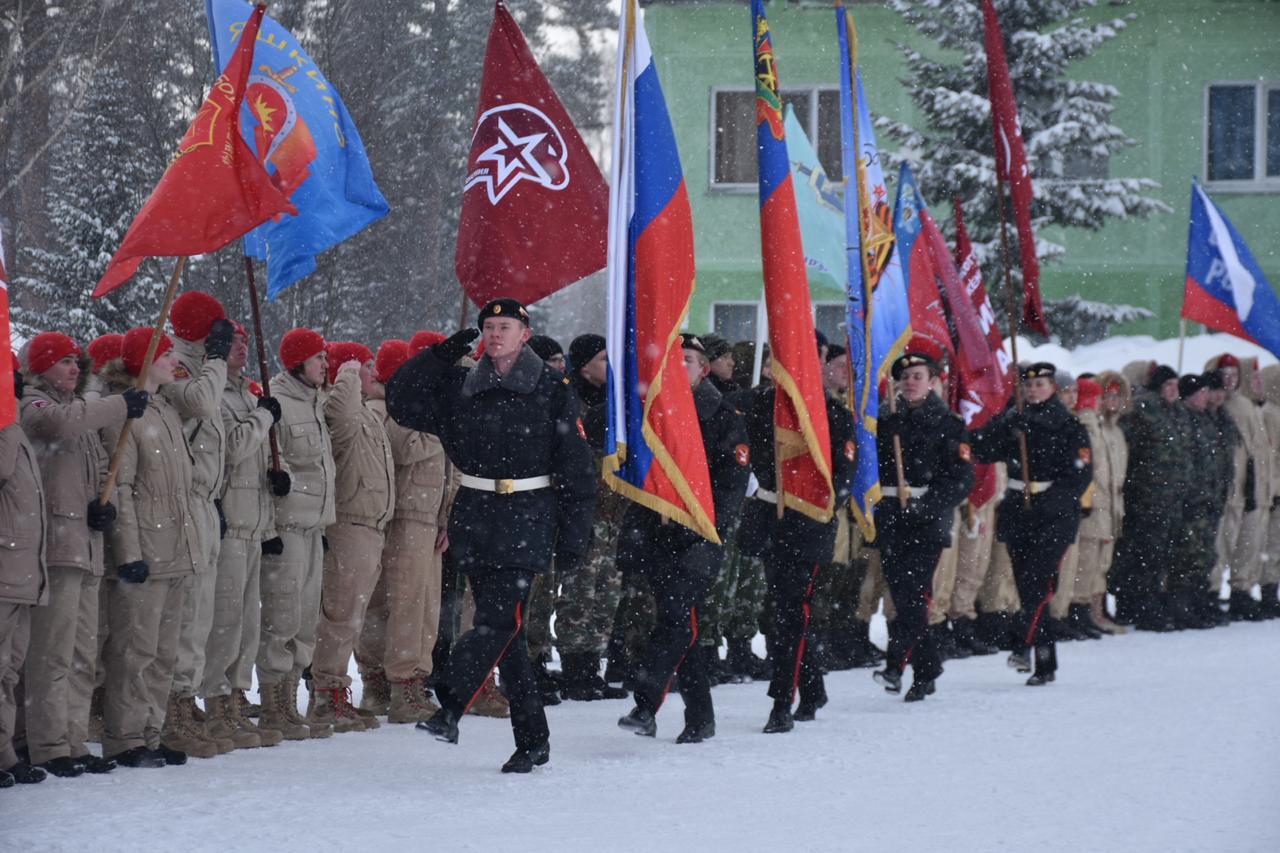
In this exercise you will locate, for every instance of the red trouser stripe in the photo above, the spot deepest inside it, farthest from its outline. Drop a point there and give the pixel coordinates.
(805, 609)
(1035, 620)
(502, 654)
(666, 688)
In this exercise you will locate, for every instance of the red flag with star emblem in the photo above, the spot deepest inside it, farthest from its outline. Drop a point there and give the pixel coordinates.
(214, 191)
(535, 208)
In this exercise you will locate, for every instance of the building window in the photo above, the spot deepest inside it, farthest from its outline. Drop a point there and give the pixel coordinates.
(1242, 136)
(734, 321)
(828, 318)
(733, 132)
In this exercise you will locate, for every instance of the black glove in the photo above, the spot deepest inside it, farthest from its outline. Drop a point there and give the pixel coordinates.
(567, 563)
(1017, 420)
(135, 572)
(135, 401)
(222, 519)
(272, 405)
(100, 516)
(273, 547)
(281, 483)
(19, 384)
(324, 543)
(218, 343)
(891, 423)
(455, 346)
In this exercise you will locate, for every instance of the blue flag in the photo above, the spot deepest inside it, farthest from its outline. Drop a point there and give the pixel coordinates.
(296, 123)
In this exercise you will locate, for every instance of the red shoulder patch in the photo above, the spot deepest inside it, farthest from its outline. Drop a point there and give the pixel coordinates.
(965, 453)
(181, 372)
(40, 404)
(255, 389)
(582, 430)
(742, 453)
(1086, 455)
(850, 450)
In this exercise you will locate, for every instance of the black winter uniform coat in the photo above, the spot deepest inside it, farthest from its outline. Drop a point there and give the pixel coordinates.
(524, 424)
(935, 453)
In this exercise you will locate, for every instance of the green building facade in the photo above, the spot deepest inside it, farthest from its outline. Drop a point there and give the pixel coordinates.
(1199, 84)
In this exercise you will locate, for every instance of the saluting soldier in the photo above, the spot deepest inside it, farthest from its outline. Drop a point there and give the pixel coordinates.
(1040, 514)
(512, 426)
(911, 534)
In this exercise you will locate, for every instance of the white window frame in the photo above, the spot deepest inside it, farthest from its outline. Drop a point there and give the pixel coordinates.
(827, 303)
(753, 304)
(811, 130)
(1260, 182)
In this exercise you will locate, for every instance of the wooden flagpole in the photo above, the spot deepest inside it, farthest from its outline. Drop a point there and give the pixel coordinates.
(256, 312)
(1014, 300)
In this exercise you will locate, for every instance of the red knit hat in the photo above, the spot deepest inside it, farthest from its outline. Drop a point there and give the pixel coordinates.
(134, 348)
(105, 348)
(340, 352)
(1087, 393)
(47, 349)
(298, 345)
(391, 355)
(193, 315)
(1228, 360)
(422, 340)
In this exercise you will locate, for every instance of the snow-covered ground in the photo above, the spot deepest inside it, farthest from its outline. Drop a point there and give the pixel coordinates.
(1145, 743)
(1115, 352)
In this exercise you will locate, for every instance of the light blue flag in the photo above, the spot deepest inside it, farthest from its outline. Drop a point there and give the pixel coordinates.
(820, 207)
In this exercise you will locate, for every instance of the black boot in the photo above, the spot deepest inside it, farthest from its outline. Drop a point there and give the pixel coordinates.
(577, 677)
(591, 673)
(640, 722)
(1270, 605)
(864, 653)
(780, 719)
(524, 760)
(807, 710)
(697, 732)
(172, 757)
(139, 756)
(965, 634)
(740, 661)
(93, 764)
(890, 678)
(548, 687)
(1078, 616)
(717, 670)
(1046, 664)
(920, 689)
(64, 767)
(948, 648)
(1242, 607)
(443, 725)
(24, 774)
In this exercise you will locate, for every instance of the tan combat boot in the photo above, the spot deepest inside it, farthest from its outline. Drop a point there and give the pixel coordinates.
(407, 703)
(223, 723)
(1098, 613)
(181, 733)
(490, 702)
(240, 707)
(290, 699)
(332, 707)
(274, 716)
(420, 688)
(201, 722)
(376, 697)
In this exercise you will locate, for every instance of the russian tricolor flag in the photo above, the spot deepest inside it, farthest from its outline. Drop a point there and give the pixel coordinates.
(653, 443)
(1225, 287)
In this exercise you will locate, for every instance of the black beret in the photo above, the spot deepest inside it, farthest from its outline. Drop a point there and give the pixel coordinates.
(583, 348)
(545, 346)
(912, 359)
(834, 351)
(1041, 369)
(693, 342)
(502, 308)
(1190, 384)
(714, 345)
(1159, 376)
(1213, 381)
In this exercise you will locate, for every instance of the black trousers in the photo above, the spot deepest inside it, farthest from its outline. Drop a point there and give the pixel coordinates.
(790, 595)
(1036, 551)
(497, 639)
(908, 571)
(679, 583)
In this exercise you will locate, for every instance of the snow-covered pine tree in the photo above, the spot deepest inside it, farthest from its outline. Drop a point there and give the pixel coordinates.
(1075, 321)
(1066, 124)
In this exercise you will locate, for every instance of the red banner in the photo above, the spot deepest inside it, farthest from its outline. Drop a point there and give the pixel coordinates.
(535, 208)
(8, 404)
(1011, 165)
(214, 191)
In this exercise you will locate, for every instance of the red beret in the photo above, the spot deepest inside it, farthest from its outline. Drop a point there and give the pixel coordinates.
(1087, 393)
(298, 345)
(1228, 360)
(47, 349)
(134, 348)
(340, 352)
(105, 348)
(422, 340)
(925, 345)
(391, 355)
(193, 314)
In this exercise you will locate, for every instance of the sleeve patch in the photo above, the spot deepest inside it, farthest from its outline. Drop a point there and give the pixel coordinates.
(582, 430)
(1086, 455)
(965, 453)
(742, 454)
(181, 372)
(40, 404)
(850, 450)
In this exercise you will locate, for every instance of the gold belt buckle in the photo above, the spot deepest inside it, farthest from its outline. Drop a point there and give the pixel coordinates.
(504, 487)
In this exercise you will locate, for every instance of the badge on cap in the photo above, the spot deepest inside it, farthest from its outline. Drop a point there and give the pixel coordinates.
(850, 450)
(742, 453)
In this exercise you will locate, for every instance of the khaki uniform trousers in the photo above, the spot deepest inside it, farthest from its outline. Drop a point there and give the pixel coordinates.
(15, 629)
(999, 593)
(62, 660)
(351, 571)
(237, 614)
(197, 612)
(140, 657)
(1095, 556)
(402, 620)
(1271, 557)
(1240, 541)
(973, 559)
(290, 586)
(944, 576)
(874, 589)
(1064, 595)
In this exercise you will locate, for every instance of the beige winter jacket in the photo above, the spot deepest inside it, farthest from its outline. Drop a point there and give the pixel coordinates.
(362, 455)
(1110, 455)
(246, 493)
(422, 471)
(153, 494)
(73, 466)
(24, 579)
(195, 394)
(307, 449)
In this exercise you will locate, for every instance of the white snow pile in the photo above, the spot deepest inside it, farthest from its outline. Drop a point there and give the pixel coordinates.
(1115, 352)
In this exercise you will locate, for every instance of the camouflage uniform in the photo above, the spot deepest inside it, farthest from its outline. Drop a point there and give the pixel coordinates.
(736, 601)
(1203, 502)
(589, 596)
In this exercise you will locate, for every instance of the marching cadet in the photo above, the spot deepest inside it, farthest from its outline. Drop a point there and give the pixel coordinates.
(912, 533)
(249, 485)
(63, 654)
(24, 582)
(511, 424)
(1040, 514)
(681, 564)
(793, 548)
(155, 549)
(293, 561)
(400, 625)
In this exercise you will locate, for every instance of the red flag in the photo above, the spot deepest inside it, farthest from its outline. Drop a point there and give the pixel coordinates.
(214, 191)
(535, 208)
(8, 403)
(1011, 165)
(980, 402)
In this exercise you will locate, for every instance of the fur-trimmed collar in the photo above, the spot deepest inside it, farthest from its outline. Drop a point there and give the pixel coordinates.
(522, 378)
